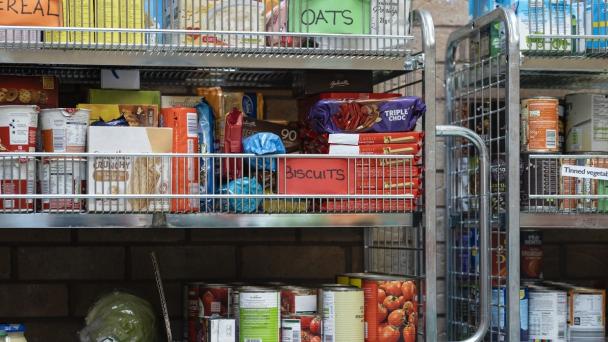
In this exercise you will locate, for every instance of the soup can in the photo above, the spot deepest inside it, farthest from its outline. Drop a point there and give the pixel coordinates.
(259, 314)
(320, 294)
(18, 125)
(216, 299)
(64, 129)
(192, 312)
(391, 307)
(343, 314)
(298, 300)
(540, 124)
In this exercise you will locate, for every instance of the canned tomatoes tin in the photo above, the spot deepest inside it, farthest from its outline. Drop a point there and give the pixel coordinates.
(301, 328)
(192, 312)
(216, 299)
(539, 124)
(259, 314)
(298, 300)
(343, 314)
(62, 176)
(64, 129)
(390, 308)
(547, 314)
(18, 126)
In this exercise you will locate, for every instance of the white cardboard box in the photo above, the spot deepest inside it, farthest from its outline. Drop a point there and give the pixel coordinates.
(587, 123)
(129, 174)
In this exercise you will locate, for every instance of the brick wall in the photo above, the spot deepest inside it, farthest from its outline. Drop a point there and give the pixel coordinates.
(49, 278)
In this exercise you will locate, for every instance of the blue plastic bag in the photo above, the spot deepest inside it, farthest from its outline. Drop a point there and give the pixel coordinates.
(242, 186)
(264, 144)
(206, 142)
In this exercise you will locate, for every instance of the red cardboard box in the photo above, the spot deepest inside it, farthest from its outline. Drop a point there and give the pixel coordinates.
(369, 205)
(376, 149)
(42, 91)
(376, 138)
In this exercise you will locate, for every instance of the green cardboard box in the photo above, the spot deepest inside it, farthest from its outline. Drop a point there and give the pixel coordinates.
(330, 16)
(104, 96)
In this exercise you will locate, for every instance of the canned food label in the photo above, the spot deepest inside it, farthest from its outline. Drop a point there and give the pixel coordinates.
(547, 317)
(18, 129)
(306, 303)
(259, 317)
(329, 316)
(291, 330)
(587, 310)
(191, 120)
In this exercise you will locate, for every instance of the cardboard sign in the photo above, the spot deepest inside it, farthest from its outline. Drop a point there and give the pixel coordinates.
(313, 176)
(30, 13)
(330, 16)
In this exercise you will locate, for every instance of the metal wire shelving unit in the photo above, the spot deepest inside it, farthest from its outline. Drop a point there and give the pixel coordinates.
(400, 237)
(492, 62)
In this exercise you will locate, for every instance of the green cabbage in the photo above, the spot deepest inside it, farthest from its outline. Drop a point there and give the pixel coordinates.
(120, 317)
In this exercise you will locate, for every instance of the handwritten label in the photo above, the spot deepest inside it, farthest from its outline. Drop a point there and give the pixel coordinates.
(310, 176)
(30, 12)
(322, 16)
(587, 172)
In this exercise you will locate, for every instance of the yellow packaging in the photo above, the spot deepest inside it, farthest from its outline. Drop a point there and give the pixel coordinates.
(136, 115)
(120, 14)
(75, 14)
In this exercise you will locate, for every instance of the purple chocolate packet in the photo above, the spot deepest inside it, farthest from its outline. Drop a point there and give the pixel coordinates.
(357, 116)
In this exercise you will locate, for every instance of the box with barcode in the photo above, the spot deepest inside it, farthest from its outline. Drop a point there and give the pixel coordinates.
(587, 125)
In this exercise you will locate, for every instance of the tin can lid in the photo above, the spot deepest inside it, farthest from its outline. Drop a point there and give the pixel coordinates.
(342, 289)
(259, 289)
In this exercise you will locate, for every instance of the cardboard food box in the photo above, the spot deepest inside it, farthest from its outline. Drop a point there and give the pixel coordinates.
(42, 91)
(375, 149)
(587, 123)
(179, 101)
(130, 174)
(75, 14)
(120, 14)
(531, 255)
(135, 115)
(376, 138)
(288, 133)
(105, 96)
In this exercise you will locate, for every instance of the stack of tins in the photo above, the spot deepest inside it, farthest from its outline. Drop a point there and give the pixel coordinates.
(63, 130)
(391, 306)
(185, 170)
(18, 126)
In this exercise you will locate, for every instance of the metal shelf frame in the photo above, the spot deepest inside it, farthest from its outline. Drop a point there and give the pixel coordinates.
(388, 236)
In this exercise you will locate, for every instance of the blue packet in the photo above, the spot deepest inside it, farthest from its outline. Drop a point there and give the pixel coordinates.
(264, 144)
(242, 186)
(205, 129)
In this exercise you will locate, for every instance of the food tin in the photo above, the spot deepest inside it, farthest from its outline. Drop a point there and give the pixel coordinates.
(216, 299)
(64, 129)
(259, 314)
(531, 254)
(192, 312)
(350, 279)
(18, 126)
(538, 176)
(390, 307)
(343, 314)
(234, 303)
(300, 328)
(547, 314)
(62, 176)
(186, 173)
(539, 124)
(298, 300)
(320, 294)
(580, 186)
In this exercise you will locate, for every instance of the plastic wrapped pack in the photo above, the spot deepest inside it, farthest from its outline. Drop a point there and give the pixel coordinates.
(264, 144)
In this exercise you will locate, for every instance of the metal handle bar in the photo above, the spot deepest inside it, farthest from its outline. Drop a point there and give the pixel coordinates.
(484, 229)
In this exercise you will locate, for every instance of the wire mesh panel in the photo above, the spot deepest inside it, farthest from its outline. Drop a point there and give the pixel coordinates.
(566, 184)
(353, 28)
(482, 95)
(211, 183)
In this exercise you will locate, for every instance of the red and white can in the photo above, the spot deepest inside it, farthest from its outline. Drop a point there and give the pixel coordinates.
(298, 300)
(18, 126)
(300, 328)
(216, 299)
(391, 308)
(192, 312)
